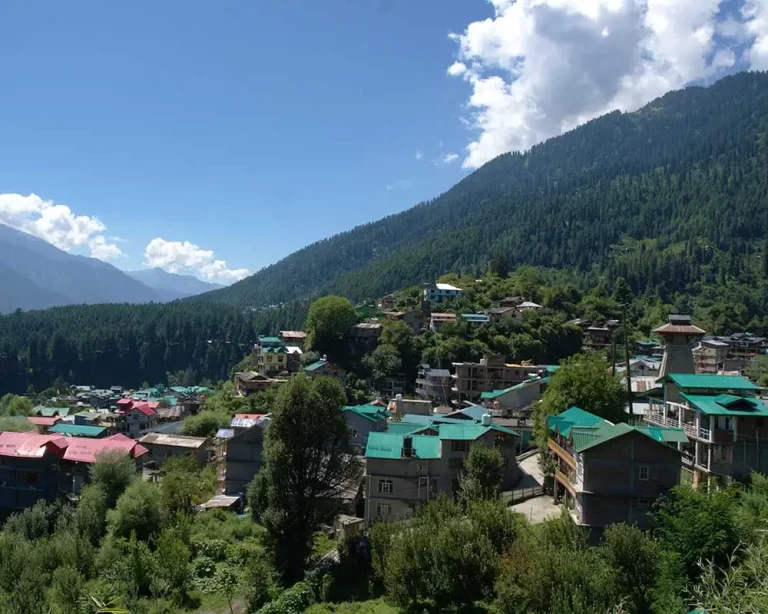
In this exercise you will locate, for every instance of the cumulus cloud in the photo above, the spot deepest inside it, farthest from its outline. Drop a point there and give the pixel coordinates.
(448, 158)
(57, 224)
(540, 67)
(419, 155)
(188, 258)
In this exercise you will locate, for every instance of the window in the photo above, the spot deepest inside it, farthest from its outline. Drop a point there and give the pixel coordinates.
(460, 446)
(382, 510)
(422, 467)
(643, 503)
(386, 487)
(644, 473)
(455, 464)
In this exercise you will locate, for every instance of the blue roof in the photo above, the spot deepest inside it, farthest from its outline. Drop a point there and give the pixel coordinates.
(475, 317)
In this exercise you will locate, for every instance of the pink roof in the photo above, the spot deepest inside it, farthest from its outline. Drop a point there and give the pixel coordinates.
(83, 450)
(125, 401)
(41, 421)
(30, 445)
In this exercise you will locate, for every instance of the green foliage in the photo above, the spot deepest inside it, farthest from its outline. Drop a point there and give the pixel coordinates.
(138, 512)
(185, 484)
(698, 526)
(585, 381)
(294, 600)
(384, 362)
(328, 321)
(634, 558)
(484, 471)
(112, 472)
(14, 405)
(758, 370)
(173, 564)
(306, 467)
(205, 424)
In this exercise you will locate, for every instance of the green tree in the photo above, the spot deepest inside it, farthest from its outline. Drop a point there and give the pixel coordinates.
(113, 472)
(307, 467)
(499, 266)
(758, 370)
(173, 564)
(205, 424)
(138, 511)
(89, 519)
(484, 471)
(328, 321)
(698, 526)
(585, 381)
(635, 559)
(384, 362)
(14, 405)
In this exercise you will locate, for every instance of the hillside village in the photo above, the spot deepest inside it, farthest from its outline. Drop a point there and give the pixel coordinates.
(692, 418)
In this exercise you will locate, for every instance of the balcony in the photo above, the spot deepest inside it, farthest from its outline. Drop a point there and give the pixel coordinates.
(723, 436)
(562, 453)
(656, 417)
(565, 481)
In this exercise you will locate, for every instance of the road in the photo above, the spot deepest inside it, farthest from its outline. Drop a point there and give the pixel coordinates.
(537, 509)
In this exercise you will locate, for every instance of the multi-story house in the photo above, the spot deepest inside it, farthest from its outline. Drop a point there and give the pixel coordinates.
(742, 350)
(438, 320)
(293, 356)
(238, 454)
(437, 293)
(515, 399)
(162, 447)
(415, 318)
(323, 368)
(247, 382)
(364, 420)
(724, 420)
(293, 337)
(471, 379)
(364, 336)
(35, 467)
(434, 384)
(710, 356)
(405, 470)
(607, 473)
(272, 360)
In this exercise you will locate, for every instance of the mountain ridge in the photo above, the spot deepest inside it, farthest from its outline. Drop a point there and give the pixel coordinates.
(580, 200)
(172, 286)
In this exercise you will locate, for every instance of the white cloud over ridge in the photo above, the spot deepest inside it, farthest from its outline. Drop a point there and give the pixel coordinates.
(188, 258)
(541, 67)
(57, 224)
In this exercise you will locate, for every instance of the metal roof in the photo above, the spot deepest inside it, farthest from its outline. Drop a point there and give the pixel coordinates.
(590, 438)
(390, 445)
(726, 405)
(710, 381)
(572, 417)
(225, 434)
(49, 412)
(78, 430)
(470, 432)
(176, 441)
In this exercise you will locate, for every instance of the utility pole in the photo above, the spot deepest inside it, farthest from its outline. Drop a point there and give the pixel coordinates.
(613, 352)
(626, 357)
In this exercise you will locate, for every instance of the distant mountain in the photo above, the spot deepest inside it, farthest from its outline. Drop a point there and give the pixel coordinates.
(36, 275)
(172, 285)
(669, 196)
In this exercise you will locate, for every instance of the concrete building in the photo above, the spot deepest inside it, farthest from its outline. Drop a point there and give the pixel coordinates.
(471, 379)
(438, 320)
(710, 356)
(434, 384)
(608, 473)
(437, 293)
(239, 455)
(293, 337)
(515, 399)
(414, 318)
(162, 447)
(401, 406)
(404, 471)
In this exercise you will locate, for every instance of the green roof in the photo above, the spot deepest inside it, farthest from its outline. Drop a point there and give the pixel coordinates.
(403, 428)
(586, 438)
(470, 432)
(275, 340)
(78, 430)
(316, 365)
(390, 445)
(373, 413)
(709, 381)
(273, 350)
(50, 412)
(726, 405)
(494, 394)
(572, 417)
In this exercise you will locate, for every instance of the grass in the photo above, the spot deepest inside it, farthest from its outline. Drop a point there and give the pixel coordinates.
(376, 606)
(323, 544)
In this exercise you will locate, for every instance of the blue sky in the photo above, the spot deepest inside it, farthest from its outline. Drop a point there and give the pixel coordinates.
(248, 128)
(215, 137)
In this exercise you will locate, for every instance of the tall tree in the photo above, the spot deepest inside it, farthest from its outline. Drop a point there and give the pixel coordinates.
(307, 468)
(484, 471)
(328, 321)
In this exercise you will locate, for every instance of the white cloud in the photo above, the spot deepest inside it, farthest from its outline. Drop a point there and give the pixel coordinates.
(540, 67)
(186, 257)
(419, 155)
(398, 184)
(56, 224)
(448, 158)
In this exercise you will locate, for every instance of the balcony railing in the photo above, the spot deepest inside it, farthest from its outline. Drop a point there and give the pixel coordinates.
(562, 453)
(565, 481)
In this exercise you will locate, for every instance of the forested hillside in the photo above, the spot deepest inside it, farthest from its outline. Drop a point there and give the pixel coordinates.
(670, 197)
(106, 345)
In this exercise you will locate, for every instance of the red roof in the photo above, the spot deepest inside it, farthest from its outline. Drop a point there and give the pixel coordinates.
(84, 450)
(30, 445)
(125, 401)
(144, 408)
(41, 421)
